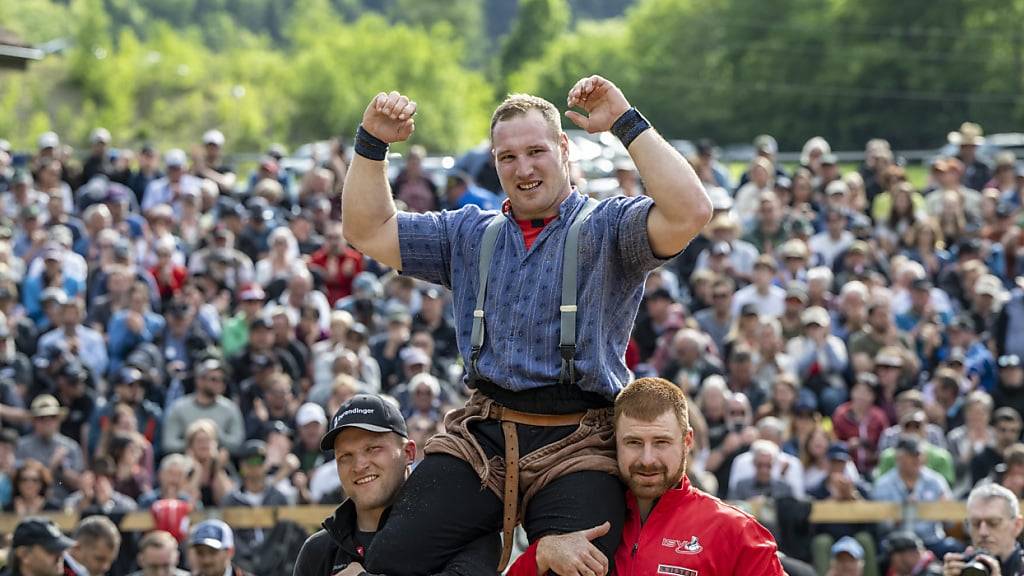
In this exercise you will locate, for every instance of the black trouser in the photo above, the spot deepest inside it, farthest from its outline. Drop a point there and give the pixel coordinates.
(443, 507)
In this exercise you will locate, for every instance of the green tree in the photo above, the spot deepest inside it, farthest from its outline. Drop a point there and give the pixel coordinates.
(464, 16)
(593, 48)
(340, 67)
(538, 23)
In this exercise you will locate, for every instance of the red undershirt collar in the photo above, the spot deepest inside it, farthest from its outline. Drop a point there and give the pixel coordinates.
(531, 228)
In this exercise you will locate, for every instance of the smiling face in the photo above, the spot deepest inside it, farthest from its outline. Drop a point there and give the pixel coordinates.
(532, 163)
(651, 455)
(372, 466)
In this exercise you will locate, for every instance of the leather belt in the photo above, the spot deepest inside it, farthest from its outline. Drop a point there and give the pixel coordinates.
(508, 415)
(509, 419)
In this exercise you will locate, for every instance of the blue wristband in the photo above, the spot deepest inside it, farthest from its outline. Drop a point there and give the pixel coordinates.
(630, 125)
(369, 146)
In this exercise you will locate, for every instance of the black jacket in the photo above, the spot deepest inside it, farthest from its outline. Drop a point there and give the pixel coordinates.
(334, 547)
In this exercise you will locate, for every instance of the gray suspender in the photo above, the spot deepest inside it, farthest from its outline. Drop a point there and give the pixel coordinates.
(567, 310)
(486, 252)
(570, 263)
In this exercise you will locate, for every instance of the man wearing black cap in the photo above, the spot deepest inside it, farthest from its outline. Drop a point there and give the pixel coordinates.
(373, 453)
(908, 556)
(130, 385)
(262, 343)
(432, 317)
(655, 318)
(37, 549)
(79, 400)
(254, 491)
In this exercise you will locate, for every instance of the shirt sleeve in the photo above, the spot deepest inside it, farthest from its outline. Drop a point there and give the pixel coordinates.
(634, 245)
(758, 553)
(526, 564)
(425, 246)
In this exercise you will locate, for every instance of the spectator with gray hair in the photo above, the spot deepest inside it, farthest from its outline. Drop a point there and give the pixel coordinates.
(173, 482)
(785, 468)
(994, 524)
(763, 483)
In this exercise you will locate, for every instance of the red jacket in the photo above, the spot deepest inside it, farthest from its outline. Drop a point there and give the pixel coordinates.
(688, 533)
(338, 271)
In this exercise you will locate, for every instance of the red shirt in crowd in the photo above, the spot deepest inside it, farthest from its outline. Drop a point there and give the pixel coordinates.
(688, 533)
(172, 283)
(339, 270)
(867, 431)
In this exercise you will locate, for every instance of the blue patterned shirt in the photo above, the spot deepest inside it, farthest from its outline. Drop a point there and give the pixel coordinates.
(520, 350)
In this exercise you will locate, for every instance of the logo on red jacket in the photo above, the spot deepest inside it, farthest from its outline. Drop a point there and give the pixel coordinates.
(675, 570)
(682, 546)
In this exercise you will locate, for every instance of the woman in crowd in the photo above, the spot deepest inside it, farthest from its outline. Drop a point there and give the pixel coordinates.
(213, 476)
(32, 482)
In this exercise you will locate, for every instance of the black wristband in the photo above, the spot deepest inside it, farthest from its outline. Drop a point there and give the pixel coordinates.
(630, 125)
(369, 146)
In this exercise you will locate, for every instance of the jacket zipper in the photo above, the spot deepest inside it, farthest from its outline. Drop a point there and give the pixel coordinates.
(632, 554)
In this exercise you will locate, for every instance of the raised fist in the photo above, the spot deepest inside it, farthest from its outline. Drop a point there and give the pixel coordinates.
(601, 99)
(389, 117)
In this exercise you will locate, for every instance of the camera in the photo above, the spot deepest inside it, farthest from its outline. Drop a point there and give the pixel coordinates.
(975, 567)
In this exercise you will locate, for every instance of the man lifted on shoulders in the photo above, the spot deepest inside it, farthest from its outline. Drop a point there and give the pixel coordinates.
(545, 295)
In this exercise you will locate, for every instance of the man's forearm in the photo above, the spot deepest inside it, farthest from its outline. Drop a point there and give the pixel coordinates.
(366, 206)
(366, 199)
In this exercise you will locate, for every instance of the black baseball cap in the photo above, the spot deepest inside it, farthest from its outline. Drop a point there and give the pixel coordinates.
(366, 411)
(129, 375)
(41, 532)
(251, 449)
(901, 541)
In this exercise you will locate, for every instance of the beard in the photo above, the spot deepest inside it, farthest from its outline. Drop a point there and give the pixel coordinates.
(659, 479)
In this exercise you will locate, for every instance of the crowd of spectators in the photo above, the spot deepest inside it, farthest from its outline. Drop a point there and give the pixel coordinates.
(173, 330)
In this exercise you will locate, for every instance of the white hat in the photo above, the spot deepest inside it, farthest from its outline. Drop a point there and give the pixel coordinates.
(720, 199)
(836, 187)
(100, 135)
(310, 412)
(213, 137)
(175, 157)
(48, 140)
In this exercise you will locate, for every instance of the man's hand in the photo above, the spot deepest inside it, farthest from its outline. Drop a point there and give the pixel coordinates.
(601, 99)
(572, 554)
(389, 117)
(953, 564)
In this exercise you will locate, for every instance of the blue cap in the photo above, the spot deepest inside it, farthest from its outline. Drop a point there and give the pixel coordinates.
(213, 534)
(849, 546)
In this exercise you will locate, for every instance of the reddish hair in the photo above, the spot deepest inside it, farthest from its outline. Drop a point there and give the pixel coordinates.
(647, 399)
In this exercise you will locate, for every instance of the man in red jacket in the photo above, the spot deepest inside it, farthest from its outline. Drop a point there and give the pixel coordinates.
(671, 528)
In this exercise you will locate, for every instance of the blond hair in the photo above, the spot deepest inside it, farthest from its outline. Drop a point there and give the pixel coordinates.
(516, 105)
